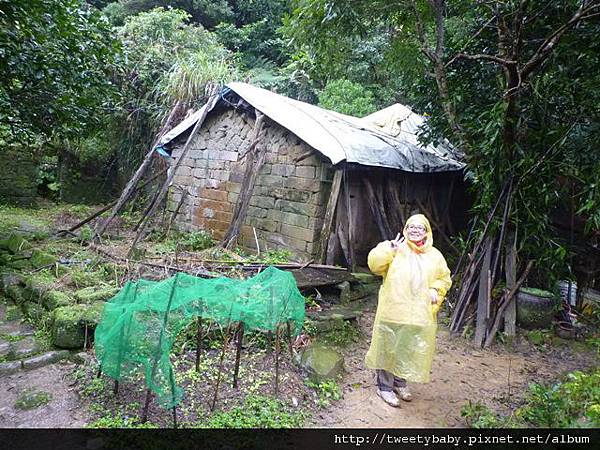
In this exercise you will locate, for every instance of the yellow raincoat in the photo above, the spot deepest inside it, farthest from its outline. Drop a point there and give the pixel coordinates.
(403, 340)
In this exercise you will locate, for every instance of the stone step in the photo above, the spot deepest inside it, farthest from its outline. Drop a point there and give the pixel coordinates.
(16, 328)
(34, 362)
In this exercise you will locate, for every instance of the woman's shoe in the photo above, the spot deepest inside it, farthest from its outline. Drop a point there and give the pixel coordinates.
(389, 397)
(404, 393)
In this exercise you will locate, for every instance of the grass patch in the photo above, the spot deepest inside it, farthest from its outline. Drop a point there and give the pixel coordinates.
(326, 392)
(30, 399)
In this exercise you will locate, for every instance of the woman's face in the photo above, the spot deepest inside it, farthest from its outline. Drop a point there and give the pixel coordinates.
(416, 232)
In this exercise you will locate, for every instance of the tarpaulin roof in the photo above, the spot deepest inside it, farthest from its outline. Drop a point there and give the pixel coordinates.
(387, 138)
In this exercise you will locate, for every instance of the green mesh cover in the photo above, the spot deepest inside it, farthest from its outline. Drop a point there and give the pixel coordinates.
(138, 325)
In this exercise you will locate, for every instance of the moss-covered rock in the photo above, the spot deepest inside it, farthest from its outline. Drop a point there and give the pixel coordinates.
(322, 363)
(56, 299)
(40, 259)
(17, 293)
(16, 243)
(94, 294)
(70, 323)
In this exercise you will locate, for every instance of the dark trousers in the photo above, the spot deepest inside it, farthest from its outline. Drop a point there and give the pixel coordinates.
(387, 380)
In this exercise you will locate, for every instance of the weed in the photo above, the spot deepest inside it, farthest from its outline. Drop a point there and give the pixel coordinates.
(119, 421)
(326, 392)
(29, 399)
(572, 403)
(256, 412)
(342, 335)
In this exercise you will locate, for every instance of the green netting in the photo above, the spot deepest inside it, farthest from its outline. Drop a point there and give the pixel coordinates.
(138, 325)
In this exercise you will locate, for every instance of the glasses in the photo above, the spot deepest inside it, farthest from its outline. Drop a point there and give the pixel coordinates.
(416, 227)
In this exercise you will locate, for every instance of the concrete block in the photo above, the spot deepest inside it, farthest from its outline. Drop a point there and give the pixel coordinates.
(305, 171)
(262, 201)
(294, 219)
(282, 169)
(298, 232)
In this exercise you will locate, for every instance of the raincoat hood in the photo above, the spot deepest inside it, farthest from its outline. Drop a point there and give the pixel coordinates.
(419, 219)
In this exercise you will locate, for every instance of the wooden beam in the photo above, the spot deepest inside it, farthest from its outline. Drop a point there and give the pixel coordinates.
(510, 316)
(329, 215)
(483, 300)
(254, 162)
(213, 99)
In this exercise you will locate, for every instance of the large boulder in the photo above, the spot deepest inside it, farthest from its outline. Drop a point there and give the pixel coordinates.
(322, 363)
(70, 323)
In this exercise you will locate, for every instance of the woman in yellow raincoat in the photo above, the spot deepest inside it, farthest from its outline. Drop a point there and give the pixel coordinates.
(415, 281)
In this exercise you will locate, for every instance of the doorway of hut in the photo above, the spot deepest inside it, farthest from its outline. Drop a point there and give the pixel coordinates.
(374, 203)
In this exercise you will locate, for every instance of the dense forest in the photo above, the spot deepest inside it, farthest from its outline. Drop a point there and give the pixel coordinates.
(89, 86)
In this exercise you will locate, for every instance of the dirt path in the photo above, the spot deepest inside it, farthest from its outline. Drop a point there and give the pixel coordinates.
(461, 372)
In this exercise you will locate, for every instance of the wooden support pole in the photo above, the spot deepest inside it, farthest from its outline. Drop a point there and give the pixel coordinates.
(289, 339)
(269, 342)
(507, 300)
(198, 342)
(213, 99)
(219, 374)
(510, 316)
(116, 388)
(144, 418)
(238, 353)
(254, 162)
(277, 361)
(329, 215)
(352, 259)
(483, 300)
(175, 417)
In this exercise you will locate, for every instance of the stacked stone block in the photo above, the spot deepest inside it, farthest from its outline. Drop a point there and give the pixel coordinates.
(289, 197)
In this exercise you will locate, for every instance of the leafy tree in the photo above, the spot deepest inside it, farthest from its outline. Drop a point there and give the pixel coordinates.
(56, 65)
(166, 62)
(512, 82)
(207, 13)
(347, 97)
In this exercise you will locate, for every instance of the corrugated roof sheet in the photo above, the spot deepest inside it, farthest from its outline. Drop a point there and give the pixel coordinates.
(369, 141)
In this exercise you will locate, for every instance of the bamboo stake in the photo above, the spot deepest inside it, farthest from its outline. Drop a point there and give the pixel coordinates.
(238, 353)
(198, 342)
(225, 343)
(277, 360)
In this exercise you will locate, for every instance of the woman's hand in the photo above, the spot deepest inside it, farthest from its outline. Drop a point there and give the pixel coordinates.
(434, 296)
(396, 242)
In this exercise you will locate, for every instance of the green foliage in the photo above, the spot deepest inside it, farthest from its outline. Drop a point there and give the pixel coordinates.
(184, 241)
(548, 136)
(477, 415)
(572, 403)
(342, 335)
(165, 60)
(348, 98)
(30, 399)
(256, 412)
(326, 391)
(117, 420)
(57, 58)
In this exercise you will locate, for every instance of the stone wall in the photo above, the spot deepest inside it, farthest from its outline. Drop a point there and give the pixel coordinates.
(289, 198)
(18, 176)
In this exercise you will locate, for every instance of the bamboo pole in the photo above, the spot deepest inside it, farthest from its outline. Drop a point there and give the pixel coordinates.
(213, 99)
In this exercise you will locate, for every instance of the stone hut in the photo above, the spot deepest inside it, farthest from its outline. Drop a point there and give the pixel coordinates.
(323, 185)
